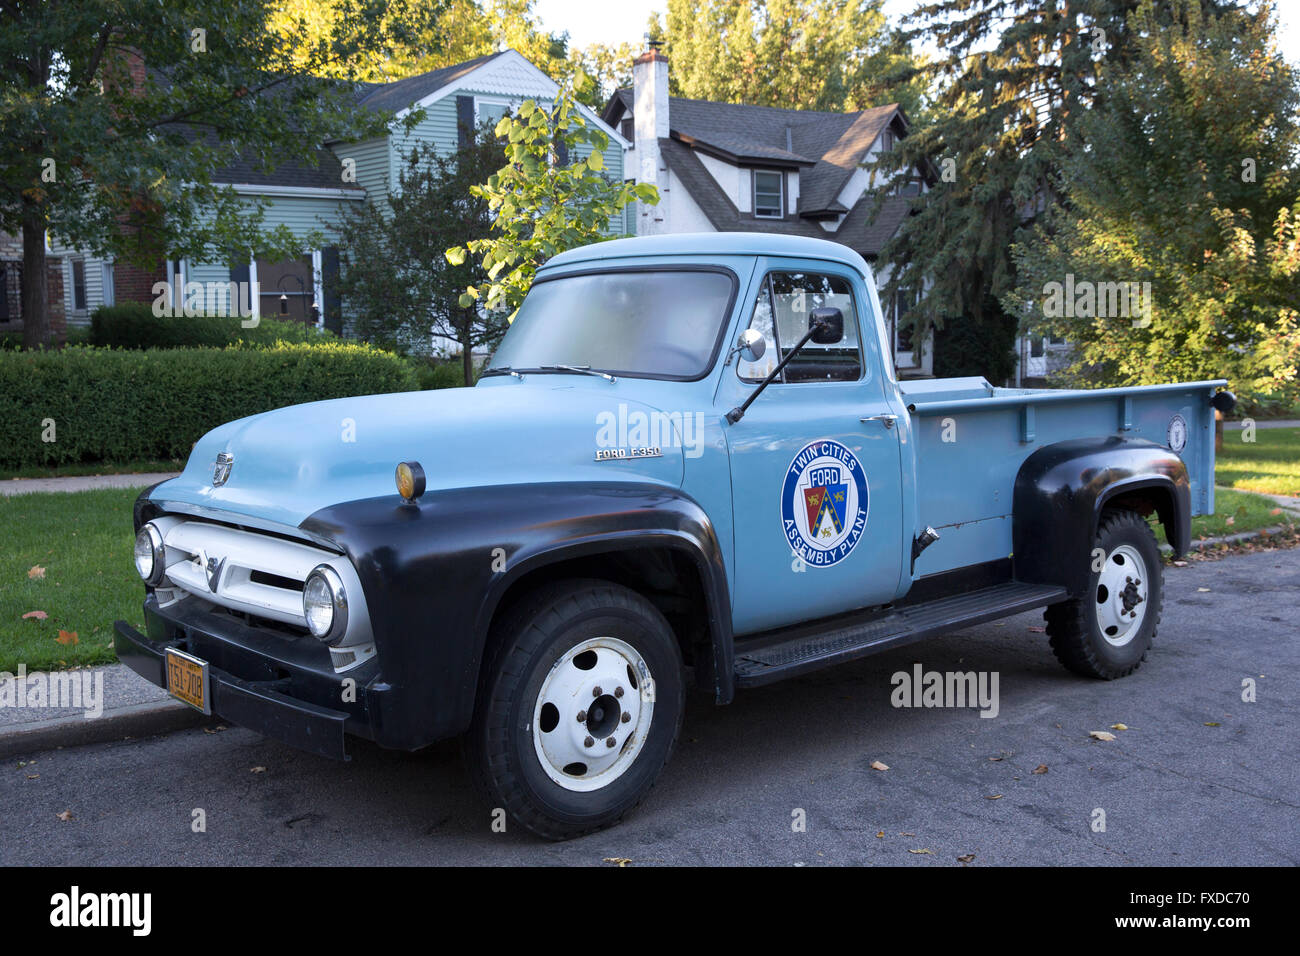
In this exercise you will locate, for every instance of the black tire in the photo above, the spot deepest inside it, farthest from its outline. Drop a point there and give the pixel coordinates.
(1073, 626)
(535, 637)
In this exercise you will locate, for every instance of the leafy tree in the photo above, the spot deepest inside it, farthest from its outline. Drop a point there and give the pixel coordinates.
(122, 165)
(1189, 182)
(806, 54)
(394, 275)
(546, 199)
(1016, 78)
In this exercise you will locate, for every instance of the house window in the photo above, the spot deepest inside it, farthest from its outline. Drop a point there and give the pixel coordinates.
(287, 290)
(106, 284)
(769, 194)
(79, 284)
(4, 293)
(490, 111)
(628, 129)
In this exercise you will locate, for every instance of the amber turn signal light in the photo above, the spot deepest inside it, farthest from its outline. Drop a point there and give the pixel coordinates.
(410, 480)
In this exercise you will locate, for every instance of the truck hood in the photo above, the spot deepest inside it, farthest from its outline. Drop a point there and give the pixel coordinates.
(291, 462)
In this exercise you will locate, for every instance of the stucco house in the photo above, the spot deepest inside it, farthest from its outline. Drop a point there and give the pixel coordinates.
(309, 198)
(733, 167)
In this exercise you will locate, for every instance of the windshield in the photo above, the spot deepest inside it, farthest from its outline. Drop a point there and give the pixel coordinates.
(655, 324)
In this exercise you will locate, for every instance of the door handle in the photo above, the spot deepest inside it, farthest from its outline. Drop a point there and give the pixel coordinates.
(886, 420)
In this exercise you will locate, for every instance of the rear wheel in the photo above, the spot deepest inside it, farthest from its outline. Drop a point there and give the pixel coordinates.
(581, 708)
(1107, 632)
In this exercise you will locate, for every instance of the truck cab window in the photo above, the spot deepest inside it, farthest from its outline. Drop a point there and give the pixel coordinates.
(780, 313)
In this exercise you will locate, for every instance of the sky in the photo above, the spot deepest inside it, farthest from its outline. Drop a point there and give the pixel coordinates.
(617, 21)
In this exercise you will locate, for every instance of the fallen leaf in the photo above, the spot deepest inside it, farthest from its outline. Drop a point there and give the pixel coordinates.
(1101, 735)
(1041, 768)
(37, 615)
(1037, 630)
(996, 759)
(36, 572)
(67, 637)
(619, 861)
(1203, 590)
(1180, 564)
(1229, 521)
(996, 796)
(880, 834)
(966, 859)
(1276, 511)
(32, 776)
(1213, 723)
(927, 852)
(877, 765)
(907, 834)
(65, 816)
(1119, 726)
(257, 770)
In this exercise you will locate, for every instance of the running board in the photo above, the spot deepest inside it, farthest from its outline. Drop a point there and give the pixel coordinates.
(804, 648)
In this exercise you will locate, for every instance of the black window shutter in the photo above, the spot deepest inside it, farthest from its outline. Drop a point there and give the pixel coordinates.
(239, 272)
(464, 121)
(329, 269)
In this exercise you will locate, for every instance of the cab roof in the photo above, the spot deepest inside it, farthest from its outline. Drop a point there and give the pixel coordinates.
(714, 244)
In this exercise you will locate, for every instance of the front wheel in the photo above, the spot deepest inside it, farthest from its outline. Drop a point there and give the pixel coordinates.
(1107, 632)
(581, 708)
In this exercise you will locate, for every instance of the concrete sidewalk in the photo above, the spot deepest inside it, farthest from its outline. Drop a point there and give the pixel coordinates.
(28, 486)
(129, 706)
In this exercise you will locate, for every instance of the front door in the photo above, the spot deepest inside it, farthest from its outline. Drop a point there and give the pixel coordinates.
(816, 490)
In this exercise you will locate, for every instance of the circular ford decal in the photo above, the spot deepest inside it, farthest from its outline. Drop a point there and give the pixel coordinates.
(1176, 434)
(824, 503)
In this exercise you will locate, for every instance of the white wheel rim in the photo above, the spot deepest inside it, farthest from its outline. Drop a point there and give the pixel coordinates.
(1123, 588)
(592, 714)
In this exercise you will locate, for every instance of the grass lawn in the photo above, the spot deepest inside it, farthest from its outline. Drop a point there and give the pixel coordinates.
(1270, 464)
(83, 540)
(1234, 512)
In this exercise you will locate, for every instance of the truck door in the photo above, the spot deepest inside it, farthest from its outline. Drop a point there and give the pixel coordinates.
(815, 466)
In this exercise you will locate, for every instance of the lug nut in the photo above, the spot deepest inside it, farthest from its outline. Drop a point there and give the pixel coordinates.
(595, 692)
(582, 716)
(609, 741)
(618, 691)
(588, 742)
(626, 716)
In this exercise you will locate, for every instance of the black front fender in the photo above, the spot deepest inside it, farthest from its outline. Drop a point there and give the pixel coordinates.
(435, 572)
(1062, 488)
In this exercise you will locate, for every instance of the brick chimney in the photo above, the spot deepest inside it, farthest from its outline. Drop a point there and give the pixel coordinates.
(650, 122)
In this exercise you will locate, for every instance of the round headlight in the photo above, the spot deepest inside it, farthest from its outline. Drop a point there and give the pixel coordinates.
(410, 480)
(325, 605)
(150, 555)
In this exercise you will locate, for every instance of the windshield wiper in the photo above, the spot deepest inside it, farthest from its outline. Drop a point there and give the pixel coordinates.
(581, 370)
(503, 370)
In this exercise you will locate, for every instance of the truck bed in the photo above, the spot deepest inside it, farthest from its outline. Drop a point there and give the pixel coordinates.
(971, 439)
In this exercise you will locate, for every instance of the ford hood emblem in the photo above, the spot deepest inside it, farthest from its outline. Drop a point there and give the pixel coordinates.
(221, 469)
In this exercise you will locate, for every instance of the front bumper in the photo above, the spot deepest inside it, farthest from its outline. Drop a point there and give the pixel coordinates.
(264, 705)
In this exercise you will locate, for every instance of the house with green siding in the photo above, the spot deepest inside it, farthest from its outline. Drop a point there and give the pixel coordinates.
(309, 198)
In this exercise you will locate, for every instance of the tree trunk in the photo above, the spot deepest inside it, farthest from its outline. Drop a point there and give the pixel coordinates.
(36, 296)
(467, 358)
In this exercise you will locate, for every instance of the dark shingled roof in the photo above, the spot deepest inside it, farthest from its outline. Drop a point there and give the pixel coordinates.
(857, 231)
(400, 94)
(826, 147)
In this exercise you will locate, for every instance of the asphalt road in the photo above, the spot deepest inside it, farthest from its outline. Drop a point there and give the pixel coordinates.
(1200, 777)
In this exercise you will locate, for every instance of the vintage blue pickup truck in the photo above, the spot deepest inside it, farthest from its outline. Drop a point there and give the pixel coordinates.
(689, 455)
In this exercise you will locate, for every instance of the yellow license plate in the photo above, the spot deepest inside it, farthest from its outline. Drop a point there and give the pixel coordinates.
(187, 679)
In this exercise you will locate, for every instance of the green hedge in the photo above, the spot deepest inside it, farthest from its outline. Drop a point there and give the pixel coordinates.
(116, 405)
(132, 325)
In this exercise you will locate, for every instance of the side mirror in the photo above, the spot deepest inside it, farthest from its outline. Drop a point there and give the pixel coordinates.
(826, 325)
(1224, 401)
(752, 346)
